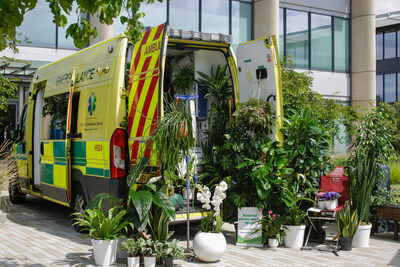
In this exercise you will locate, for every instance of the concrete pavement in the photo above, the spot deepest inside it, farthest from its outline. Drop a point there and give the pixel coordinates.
(38, 233)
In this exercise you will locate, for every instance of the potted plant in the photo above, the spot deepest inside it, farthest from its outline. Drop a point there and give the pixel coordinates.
(295, 217)
(103, 231)
(169, 251)
(273, 230)
(363, 177)
(347, 223)
(133, 248)
(149, 252)
(210, 244)
(321, 200)
(331, 200)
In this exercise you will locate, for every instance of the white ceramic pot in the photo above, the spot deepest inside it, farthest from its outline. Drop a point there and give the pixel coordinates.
(361, 237)
(273, 242)
(134, 261)
(209, 247)
(121, 254)
(331, 204)
(149, 261)
(187, 194)
(294, 235)
(321, 204)
(105, 252)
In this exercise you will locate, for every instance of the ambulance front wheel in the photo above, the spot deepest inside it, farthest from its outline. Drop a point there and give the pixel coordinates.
(78, 202)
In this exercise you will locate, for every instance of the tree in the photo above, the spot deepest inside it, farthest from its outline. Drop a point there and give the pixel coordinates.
(13, 13)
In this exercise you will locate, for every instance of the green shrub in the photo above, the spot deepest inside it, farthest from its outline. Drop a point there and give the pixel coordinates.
(395, 172)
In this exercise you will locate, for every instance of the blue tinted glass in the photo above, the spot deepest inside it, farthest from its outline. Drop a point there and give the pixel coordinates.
(341, 45)
(184, 14)
(379, 46)
(297, 37)
(155, 14)
(241, 23)
(379, 88)
(390, 44)
(281, 41)
(390, 88)
(215, 16)
(38, 26)
(321, 42)
(64, 42)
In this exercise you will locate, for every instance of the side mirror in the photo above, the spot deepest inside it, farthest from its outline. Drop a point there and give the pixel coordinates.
(9, 132)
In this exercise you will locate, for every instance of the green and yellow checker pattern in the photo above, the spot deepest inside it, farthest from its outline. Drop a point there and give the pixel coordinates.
(22, 159)
(87, 156)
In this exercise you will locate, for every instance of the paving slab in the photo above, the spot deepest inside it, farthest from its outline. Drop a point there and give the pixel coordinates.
(39, 233)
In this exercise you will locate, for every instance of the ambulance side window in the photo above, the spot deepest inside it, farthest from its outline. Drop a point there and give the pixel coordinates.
(54, 117)
(74, 115)
(21, 126)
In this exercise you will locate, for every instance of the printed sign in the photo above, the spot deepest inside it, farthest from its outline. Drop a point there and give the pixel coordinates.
(248, 225)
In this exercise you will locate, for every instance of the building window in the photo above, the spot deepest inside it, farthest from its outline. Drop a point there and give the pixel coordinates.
(321, 42)
(155, 14)
(281, 31)
(389, 44)
(241, 22)
(297, 37)
(379, 88)
(64, 42)
(341, 44)
(184, 15)
(389, 92)
(379, 46)
(215, 16)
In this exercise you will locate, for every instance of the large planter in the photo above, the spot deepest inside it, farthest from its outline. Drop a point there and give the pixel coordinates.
(209, 247)
(273, 242)
(134, 261)
(331, 204)
(105, 252)
(294, 235)
(121, 254)
(361, 237)
(149, 261)
(345, 243)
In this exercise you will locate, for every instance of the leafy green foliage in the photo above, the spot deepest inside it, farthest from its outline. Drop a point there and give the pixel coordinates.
(8, 90)
(298, 95)
(363, 177)
(347, 222)
(100, 226)
(293, 198)
(171, 249)
(184, 78)
(308, 144)
(255, 115)
(132, 246)
(272, 226)
(392, 124)
(219, 91)
(159, 224)
(211, 223)
(394, 172)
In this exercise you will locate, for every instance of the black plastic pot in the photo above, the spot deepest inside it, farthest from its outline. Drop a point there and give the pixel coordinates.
(345, 243)
(169, 262)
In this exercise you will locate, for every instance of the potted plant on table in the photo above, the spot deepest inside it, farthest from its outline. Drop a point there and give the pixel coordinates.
(347, 223)
(169, 251)
(210, 244)
(103, 231)
(273, 229)
(295, 217)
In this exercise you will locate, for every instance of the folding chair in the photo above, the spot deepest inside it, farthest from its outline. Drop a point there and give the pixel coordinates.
(335, 181)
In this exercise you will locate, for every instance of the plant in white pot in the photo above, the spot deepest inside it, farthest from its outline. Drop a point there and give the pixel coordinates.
(133, 248)
(295, 217)
(273, 230)
(149, 252)
(103, 230)
(210, 244)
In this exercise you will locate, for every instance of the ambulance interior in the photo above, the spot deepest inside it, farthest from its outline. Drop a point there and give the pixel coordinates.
(196, 60)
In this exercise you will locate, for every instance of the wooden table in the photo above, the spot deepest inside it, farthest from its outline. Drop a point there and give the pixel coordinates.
(390, 212)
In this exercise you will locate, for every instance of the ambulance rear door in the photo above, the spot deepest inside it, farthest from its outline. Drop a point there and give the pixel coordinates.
(259, 76)
(145, 92)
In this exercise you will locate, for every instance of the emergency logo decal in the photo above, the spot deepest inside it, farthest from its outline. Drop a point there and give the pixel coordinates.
(92, 104)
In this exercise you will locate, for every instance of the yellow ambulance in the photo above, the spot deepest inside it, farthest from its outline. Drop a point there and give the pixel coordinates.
(87, 115)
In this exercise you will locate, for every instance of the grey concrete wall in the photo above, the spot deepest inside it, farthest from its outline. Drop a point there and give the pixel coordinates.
(104, 31)
(363, 53)
(266, 18)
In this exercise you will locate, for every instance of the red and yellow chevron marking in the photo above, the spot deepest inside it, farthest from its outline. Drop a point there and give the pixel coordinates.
(144, 78)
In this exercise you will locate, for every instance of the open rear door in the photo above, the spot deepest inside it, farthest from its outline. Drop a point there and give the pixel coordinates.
(68, 136)
(259, 76)
(145, 92)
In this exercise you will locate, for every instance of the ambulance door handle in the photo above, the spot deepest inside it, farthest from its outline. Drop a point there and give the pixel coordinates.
(41, 148)
(74, 135)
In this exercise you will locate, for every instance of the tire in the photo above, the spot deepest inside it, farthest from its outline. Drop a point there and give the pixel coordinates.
(78, 204)
(14, 190)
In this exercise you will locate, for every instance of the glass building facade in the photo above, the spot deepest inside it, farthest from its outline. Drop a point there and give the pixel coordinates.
(314, 41)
